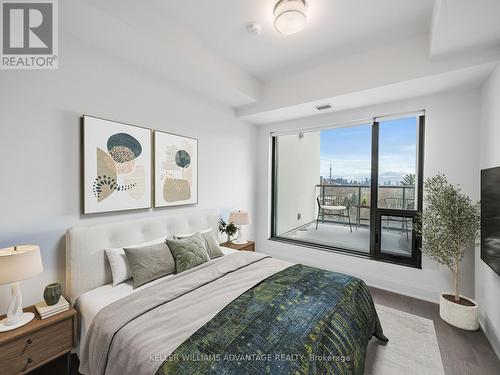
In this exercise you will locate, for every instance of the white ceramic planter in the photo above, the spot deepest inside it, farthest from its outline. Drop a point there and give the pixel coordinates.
(460, 316)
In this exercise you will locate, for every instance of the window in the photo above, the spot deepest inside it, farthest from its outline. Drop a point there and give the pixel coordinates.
(326, 183)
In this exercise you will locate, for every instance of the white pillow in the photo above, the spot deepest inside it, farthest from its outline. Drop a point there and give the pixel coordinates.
(185, 235)
(118, 260)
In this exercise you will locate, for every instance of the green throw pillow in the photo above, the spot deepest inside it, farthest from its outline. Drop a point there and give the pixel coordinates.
(188, 252)
(149, 263)
(211, 243)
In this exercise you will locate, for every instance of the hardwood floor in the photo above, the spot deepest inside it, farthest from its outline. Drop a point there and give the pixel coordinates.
(463, 352)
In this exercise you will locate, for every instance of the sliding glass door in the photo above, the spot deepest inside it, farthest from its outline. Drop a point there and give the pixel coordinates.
(353, 188)
(399, 186)
(323, 190)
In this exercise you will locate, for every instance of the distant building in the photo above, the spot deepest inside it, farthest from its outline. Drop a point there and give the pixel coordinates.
(343, 181)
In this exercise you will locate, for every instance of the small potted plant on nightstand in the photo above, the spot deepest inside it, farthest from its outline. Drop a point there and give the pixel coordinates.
(229, 228)
(450, 226)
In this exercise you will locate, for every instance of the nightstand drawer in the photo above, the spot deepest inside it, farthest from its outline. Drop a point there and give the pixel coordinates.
(30, 350)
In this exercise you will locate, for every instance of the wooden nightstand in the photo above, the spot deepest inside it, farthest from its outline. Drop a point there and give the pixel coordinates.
(37, 343)
(249, 246)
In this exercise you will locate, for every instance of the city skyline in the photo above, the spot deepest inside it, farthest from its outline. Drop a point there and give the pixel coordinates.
(348, 149)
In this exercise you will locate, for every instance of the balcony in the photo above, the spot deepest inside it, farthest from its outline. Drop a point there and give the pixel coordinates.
(332, 228)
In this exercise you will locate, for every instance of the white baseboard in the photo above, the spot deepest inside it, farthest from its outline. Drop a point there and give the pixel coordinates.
(489, 331)
(423, 296)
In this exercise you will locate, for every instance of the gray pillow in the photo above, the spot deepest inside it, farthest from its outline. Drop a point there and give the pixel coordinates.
(188, 252)
(211, 243)
(149, 263)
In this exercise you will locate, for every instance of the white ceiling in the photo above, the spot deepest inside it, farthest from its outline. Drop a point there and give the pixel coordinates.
(335, 29)
(351, 53)
(147, 34)
(460, 25)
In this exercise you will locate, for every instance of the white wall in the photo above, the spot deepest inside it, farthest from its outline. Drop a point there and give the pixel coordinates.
(451, 146)
(298, 174)
(40, 148)
(487, 281)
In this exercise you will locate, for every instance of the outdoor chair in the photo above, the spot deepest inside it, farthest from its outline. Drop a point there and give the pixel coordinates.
(334, 206)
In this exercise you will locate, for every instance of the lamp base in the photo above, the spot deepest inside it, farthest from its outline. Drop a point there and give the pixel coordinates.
(240, 240)
(25, 319)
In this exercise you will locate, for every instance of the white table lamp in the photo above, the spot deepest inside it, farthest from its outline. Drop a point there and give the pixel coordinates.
(239, 218)
(16, 264)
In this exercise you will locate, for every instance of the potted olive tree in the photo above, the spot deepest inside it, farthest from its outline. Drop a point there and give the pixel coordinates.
(449, 226)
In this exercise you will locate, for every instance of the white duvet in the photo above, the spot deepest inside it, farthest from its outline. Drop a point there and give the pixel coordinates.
(93, 301)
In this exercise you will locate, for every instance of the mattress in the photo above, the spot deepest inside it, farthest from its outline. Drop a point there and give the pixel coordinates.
(91, 302)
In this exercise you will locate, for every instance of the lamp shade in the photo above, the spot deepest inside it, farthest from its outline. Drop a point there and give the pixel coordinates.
(19, 263)
(239, 217)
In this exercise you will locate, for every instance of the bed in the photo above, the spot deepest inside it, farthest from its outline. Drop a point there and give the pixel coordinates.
(242, 313)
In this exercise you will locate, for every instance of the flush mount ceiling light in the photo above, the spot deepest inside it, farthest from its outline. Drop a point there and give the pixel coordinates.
(290, 16)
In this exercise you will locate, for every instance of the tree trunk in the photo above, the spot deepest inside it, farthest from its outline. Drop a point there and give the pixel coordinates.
(455, 277)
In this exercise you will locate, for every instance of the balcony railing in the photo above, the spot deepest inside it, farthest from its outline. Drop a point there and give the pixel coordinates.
(393, 197)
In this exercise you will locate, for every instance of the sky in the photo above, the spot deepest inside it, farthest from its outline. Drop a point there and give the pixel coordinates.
(349, 150)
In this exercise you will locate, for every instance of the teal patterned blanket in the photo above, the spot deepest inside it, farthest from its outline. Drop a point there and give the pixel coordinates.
(301, 320)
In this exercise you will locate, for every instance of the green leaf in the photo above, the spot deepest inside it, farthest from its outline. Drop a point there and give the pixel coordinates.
(450, 223)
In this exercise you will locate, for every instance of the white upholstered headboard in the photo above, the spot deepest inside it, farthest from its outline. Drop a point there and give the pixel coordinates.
(86, 266)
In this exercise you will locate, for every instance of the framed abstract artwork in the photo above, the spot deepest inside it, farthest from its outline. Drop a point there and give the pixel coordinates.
(176, 170)
(116, 166)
